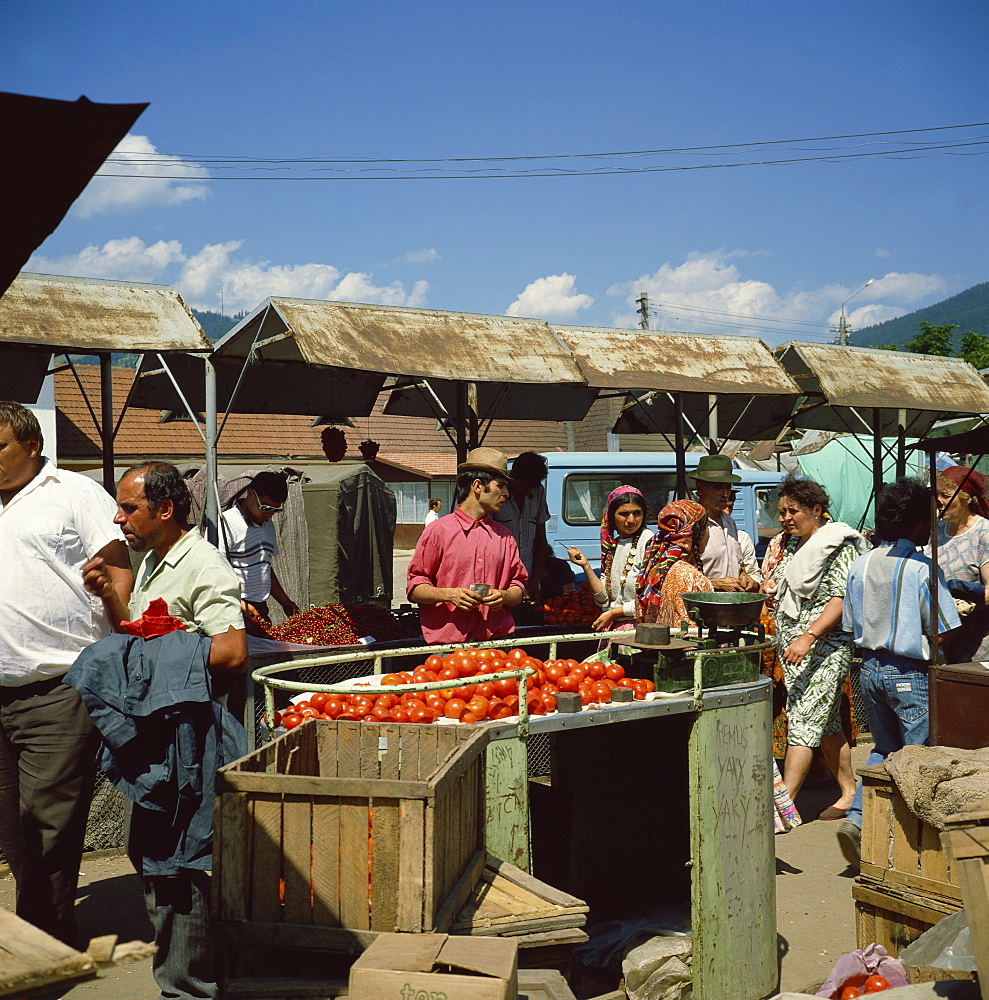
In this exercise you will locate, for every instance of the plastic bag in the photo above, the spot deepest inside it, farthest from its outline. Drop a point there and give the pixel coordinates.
(854, 968)
(658, 969)
(946, 945)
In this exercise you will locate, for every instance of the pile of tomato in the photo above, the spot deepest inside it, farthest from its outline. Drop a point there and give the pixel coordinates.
(860, 986)
(469, 698)
(570, 609)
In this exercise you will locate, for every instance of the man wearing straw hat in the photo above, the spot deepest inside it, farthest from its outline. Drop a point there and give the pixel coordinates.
(466, 570)
(721, 562)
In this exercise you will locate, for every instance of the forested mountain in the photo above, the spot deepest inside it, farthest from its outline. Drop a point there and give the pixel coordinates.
(969, 310)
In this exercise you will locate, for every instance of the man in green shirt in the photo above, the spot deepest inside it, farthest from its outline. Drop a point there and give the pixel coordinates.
(200, 588)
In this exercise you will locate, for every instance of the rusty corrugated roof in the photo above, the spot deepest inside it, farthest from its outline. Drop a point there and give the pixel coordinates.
(85, 315)
(401, 341)
(864, 377)
(675, 362)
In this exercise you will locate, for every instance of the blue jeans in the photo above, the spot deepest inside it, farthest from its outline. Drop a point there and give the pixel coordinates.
(894, 689)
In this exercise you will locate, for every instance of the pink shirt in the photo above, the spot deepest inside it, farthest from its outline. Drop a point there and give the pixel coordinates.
(456, 551)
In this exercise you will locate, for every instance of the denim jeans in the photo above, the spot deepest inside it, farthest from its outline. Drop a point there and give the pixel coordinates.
(894, 689)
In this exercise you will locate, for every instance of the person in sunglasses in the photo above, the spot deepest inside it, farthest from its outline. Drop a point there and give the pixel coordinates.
(247, 536)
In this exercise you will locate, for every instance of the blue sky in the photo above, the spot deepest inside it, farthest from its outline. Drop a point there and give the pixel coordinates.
(769, 251)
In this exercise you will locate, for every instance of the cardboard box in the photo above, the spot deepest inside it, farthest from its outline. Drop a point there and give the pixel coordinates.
(436, 967)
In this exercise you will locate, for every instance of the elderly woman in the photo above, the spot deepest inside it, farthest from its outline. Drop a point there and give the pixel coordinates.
(624, 538)
(671, 566)
(963, 556)
(809, 586)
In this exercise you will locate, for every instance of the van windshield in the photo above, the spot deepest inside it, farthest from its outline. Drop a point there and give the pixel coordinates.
(585, 494)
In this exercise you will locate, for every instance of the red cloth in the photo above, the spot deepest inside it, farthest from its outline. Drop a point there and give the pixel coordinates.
(456, 551)
(154, 622)
(971, 482)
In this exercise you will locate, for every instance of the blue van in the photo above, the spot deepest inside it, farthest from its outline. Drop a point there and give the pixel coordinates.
(579, 482)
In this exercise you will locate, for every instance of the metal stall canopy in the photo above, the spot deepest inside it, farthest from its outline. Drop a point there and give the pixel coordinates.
(715, 388)
(350, 517)
(40, 182)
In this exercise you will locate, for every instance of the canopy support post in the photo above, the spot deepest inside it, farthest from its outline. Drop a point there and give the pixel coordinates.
(472, 408)
(713, 447)
(901, 443)
(461, 421)
(106, 422)
(681, 456)
(877, 459)
(212, 505)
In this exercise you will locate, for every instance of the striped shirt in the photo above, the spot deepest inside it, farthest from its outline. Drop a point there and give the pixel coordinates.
(524, 523)
(249, 547)
(888, 601)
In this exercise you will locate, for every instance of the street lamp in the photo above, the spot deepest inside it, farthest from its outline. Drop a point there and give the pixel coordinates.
(843, 330)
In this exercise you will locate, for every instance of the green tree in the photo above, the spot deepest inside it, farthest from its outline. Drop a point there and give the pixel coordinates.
(932, 340)
(975, 349)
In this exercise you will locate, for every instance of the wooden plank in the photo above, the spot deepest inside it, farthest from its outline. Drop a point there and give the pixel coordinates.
(429, 742)
(384, 864)
(369, 747)
(326, 862)
(877, 826)
(285, 987)
(266, 857)
(408, 764)
(458, 894)
(453, 767)
(297, 858)
(354, 910)
(326, 751)
(427, 872)
(389, 756)
(507, 802)
(968, 842)
(291, 784)
(231, 851)
(972, 874)
(409, 913)
(348, 749)
(917, 883)
(934, 863)
(343, 940)
(541, 890)
(905, 903)
(906, 838)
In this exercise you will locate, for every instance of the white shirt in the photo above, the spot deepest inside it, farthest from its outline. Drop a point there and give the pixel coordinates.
(749, 561)
(722, 554)
(249, 547)
(624, 595)
(431, 516)
(48, 531)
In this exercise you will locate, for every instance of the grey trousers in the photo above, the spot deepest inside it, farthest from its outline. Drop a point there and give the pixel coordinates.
(179, 907)
(47, 768)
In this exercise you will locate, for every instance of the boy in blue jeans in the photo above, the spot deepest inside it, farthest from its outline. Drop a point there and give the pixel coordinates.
(888, 611)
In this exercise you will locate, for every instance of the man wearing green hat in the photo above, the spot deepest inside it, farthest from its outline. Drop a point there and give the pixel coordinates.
(721, 561)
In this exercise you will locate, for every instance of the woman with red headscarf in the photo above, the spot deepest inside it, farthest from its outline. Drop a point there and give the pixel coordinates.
(624, 538)
(963, 556)
(671, 567)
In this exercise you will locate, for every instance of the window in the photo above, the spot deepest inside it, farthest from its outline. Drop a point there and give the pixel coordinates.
(443, 490)
(767, 512)
(412, 502)
(584, 495)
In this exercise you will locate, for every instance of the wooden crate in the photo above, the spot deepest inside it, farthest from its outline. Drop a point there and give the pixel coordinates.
(894, 916)
(966, 839)
(337, 830)
(32, 960)
(898, 848)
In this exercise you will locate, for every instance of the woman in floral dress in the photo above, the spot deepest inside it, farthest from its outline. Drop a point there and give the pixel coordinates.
(808, 585)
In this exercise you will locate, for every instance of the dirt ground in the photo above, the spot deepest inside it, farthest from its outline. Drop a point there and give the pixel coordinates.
(814, 909)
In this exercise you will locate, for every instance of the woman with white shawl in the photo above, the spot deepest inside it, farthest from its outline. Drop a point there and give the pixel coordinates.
(809, 584)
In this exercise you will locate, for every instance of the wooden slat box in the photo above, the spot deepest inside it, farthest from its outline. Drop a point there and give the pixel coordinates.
(966, 839)
(894, 916)
(30, 959)
(348, 825)
(898, 848)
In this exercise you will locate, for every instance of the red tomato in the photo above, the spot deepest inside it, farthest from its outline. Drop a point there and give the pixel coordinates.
(849, 993)
(479, 706)
(506, 686)
(499, 710)
(278, 719)
(614, 672)
(512, 701)
(549, 689)
(291, 719)
(400, 714)
(466, 692)
(516, 655)
(484, 655)
(486, 690)
(640, 688)
(309, 712)
(433, 662)
(405, 677)
(390, 679)
(298, 706)
(596, 671)
(467, 717)
(467, 666)
(370, 718)
(586, 694)
(549, 701)
(579, 671)
(536, 705)
(381, 712)
(627, 682)
(420, 715)
(602, 693)
(349, 715)
(554, 671)
(448, 673)
(569, 683)
(876, 984)
(319, 700)
(423, 676)
(454, 707)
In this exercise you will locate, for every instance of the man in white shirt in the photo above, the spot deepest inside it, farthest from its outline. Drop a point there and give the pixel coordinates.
(51, 523)
(721, 562)
(247, 537)
(433, 514)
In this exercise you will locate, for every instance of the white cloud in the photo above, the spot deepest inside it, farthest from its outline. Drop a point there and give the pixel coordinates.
(707, 294)
(128, 259)
(417, 257)
(882, 253)
(214, 275)
(150, 179)
(552, 297)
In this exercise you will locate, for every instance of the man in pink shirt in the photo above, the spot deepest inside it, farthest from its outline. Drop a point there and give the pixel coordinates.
(464, 549)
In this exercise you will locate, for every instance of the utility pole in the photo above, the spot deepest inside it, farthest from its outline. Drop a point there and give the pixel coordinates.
(643, 301)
